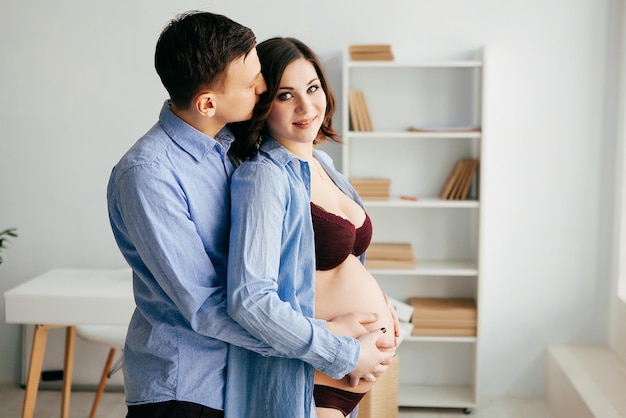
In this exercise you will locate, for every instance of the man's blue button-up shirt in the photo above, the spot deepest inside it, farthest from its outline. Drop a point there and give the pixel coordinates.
(169, 208)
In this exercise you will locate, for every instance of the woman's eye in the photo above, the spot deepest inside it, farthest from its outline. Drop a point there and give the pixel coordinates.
(284, 96)
(313, 89)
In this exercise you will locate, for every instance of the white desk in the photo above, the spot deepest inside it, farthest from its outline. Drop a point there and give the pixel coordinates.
(66, 298)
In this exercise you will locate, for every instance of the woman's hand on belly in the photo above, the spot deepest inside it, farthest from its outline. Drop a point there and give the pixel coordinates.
(353, 324)
(394, 318)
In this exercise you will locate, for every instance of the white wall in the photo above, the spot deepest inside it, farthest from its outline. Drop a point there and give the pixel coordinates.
(617, 316)
(78, 88)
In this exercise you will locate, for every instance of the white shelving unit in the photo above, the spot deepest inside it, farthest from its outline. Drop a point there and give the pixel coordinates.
(444, 234)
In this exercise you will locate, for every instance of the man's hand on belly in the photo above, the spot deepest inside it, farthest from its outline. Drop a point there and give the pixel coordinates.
(372, 361)
(352, 324)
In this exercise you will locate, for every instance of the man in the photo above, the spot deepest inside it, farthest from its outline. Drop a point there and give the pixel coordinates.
(169, 204)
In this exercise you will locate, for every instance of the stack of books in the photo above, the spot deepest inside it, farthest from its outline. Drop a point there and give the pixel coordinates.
(459, 183)
(443, 316)
(371, 52)
(359, 113)
(371, 188)
(390, 256)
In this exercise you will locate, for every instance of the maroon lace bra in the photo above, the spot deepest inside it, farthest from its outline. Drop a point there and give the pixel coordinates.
(336, 237)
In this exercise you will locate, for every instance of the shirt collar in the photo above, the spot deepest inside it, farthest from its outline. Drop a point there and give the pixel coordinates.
(276, 151)
(196, 143)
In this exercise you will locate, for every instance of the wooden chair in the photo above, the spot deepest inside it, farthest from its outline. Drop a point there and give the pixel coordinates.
(110, 336)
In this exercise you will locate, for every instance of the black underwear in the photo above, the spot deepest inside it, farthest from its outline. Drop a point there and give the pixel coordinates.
(342, 400)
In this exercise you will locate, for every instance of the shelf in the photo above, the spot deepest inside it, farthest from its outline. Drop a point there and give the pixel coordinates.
(436, 120)
(436, 396)
(417, 64)
(434, 268)
(452, 134)
(422, 202)
(439, 339)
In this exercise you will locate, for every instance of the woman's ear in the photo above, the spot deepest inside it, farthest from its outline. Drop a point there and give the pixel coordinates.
(206, 103)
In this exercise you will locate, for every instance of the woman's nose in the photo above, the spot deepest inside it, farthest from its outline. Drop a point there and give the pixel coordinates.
(303, 104)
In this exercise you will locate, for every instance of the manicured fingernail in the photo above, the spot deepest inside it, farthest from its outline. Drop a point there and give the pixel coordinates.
(383, 330)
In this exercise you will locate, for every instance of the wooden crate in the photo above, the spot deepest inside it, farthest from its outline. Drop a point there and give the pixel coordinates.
(382, 400)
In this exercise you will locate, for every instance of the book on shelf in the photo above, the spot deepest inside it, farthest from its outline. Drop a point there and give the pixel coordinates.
(443, 308)
(374, 52)
(444, 128)
(361, 48)
(459, 182)
(359, 113)
(371, 188)
(470, 174)
(459, 186)
(443, 323)
(443, 316)
(390, 256)
(443, 332)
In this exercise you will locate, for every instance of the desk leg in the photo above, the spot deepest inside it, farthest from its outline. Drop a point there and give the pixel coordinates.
(34, 370)
(70, 338)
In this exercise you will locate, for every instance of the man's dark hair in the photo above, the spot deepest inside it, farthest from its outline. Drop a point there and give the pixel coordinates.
(194, 50)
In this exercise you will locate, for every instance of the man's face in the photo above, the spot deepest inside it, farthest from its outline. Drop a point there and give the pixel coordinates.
(244, 84)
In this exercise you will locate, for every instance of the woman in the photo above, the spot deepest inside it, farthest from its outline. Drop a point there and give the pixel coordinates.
(289, 176)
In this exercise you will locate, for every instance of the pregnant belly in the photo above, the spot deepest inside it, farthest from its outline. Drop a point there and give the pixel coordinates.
(351, 288)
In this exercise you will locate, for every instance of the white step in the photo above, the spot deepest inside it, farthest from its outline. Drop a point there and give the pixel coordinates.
(585, 381)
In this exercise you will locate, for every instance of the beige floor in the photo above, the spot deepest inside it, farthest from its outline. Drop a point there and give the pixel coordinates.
(49, 403)
(489, 408)
(112, 406)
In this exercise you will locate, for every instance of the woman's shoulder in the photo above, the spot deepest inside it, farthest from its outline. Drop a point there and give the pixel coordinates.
(259, 172)
(271, 156)
(258, 162)
(259, 179)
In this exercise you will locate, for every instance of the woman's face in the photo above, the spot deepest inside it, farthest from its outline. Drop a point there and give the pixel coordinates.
(299, 106)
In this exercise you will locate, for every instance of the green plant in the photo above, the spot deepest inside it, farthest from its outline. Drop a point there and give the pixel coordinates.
(4, 238)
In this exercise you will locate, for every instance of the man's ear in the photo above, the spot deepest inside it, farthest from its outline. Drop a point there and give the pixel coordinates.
(206, 103)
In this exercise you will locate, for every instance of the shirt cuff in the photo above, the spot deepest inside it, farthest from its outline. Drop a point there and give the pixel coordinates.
(346, 358)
